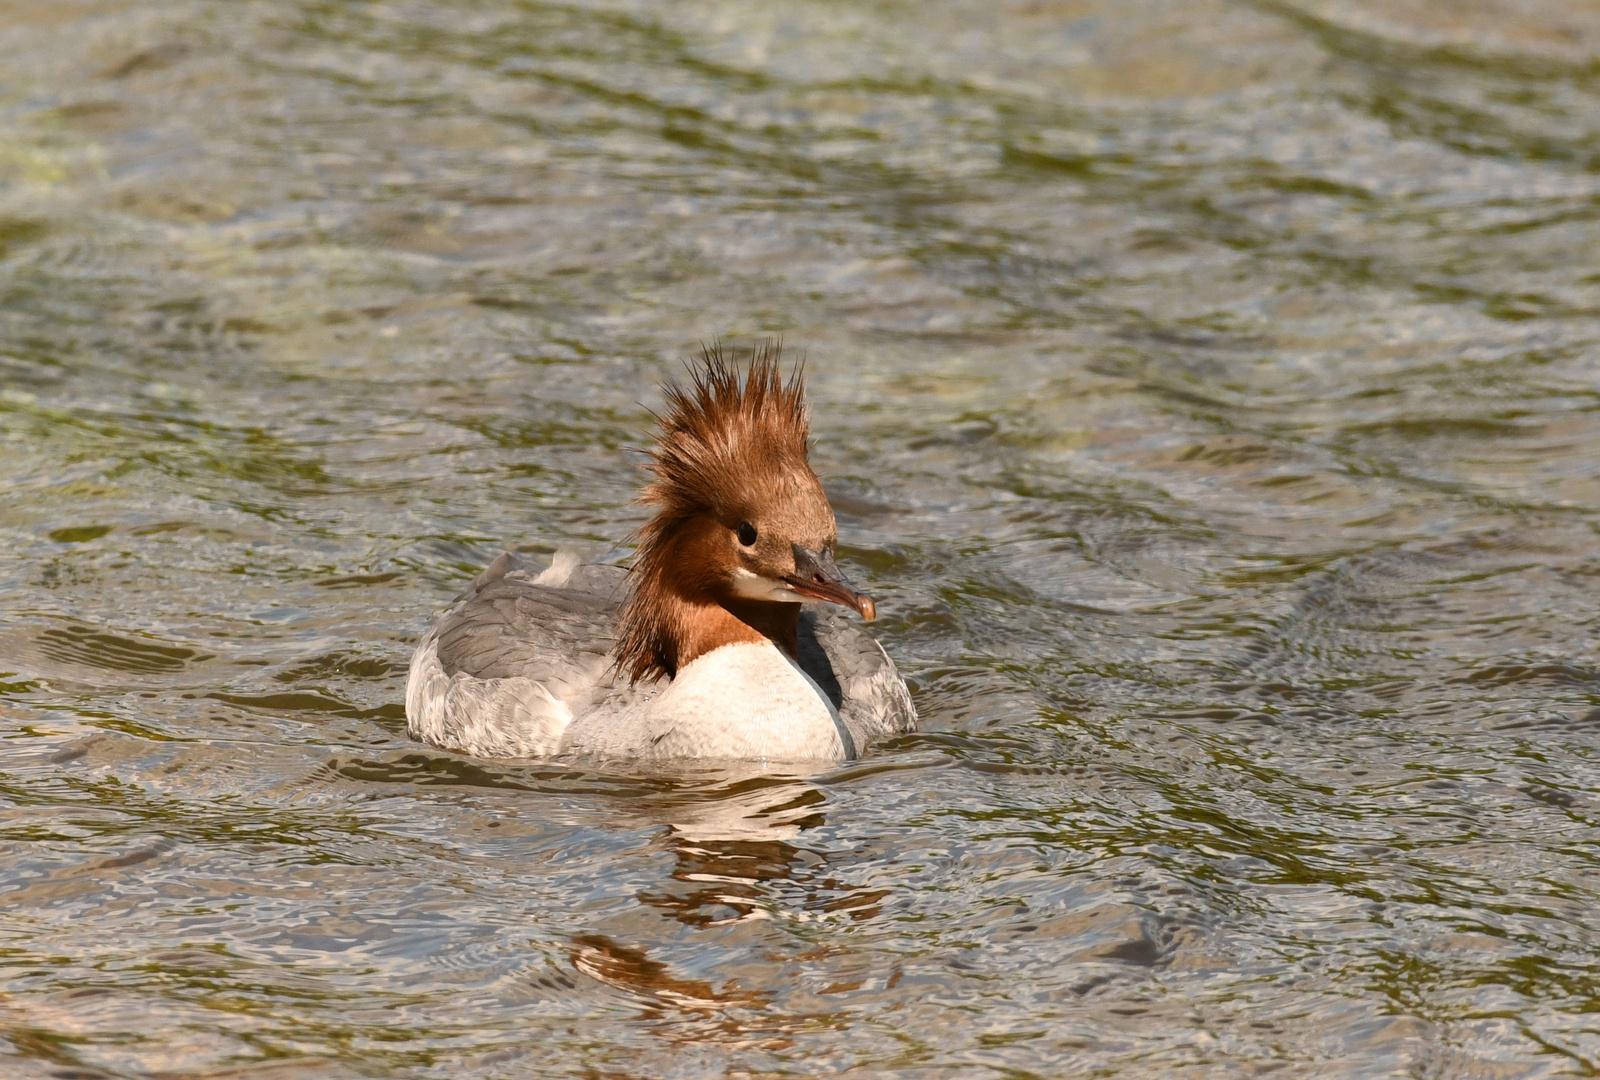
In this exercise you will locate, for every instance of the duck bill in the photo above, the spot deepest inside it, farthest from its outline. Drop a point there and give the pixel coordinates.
(817, 578)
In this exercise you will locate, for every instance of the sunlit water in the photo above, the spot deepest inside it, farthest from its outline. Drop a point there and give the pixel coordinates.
(1209, 393)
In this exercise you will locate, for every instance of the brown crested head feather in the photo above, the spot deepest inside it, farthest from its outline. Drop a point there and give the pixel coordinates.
(720, 440)
(718, 436)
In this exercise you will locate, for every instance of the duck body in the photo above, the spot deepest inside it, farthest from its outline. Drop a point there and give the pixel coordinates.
(710, 645)
(523, 666)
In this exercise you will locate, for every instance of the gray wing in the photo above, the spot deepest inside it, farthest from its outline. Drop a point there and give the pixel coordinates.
(507, 667)
(513, 624)
(855, 672)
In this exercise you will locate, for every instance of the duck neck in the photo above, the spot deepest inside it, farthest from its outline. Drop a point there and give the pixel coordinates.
(701, 625)
(778, 623)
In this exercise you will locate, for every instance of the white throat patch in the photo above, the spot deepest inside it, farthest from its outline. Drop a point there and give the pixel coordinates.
(749, 586)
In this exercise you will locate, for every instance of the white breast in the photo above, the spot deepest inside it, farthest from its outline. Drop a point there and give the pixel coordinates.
(739, 701)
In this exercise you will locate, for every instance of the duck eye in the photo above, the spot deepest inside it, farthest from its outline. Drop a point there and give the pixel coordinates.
(747, 533)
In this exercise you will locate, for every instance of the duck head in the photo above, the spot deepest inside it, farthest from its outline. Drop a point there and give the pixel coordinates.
(742, 534)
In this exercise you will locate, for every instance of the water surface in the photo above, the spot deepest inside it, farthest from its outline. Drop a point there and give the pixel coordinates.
(1207, 391)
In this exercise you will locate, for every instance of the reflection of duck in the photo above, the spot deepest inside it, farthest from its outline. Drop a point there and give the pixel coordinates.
(742, 805)
(736, 835)
(720, 658)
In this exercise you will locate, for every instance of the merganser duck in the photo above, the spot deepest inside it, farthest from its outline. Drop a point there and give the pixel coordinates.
(703, 648)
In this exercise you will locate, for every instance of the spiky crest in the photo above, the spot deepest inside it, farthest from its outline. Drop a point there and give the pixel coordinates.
(721, 444)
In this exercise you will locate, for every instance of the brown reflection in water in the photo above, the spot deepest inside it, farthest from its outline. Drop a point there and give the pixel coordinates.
(689, 1010)
(738, 855)
(741, 868)
(720, 881)
(632, 970)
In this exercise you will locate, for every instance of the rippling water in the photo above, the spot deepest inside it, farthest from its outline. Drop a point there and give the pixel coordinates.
(1208, 392)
